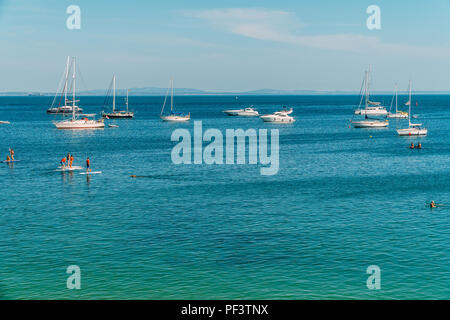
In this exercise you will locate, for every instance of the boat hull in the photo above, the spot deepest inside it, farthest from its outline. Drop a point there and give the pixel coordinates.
(412, 132)
(128, 115)
(275, 119)
(64, 110)
(241, 113)
(370, 112)
(398, 116)
(79, 124)
(175, 118)
(370, 124)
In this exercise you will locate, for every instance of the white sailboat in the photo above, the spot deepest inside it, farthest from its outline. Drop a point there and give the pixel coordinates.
(173, 117)
(371, 108)
(118, 114)
(247, 112)
(66, 108)
(397, 114)
(85, 121)
(414, 129)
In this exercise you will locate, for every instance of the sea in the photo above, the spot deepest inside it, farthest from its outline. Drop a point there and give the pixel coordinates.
(343, 200)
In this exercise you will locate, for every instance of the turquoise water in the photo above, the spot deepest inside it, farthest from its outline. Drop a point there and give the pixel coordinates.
(342, 200)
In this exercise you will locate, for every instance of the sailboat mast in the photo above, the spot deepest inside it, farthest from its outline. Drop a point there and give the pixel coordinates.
(67, 80)
(171, 95)
(114, 93)
(366, 89)
(127, 99)
(73, 93)
(396, 94)
(409, 113)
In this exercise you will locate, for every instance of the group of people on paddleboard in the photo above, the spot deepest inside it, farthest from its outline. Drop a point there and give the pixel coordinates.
(67, 162)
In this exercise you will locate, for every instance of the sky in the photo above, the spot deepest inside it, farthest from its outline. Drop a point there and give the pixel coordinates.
(226, 45)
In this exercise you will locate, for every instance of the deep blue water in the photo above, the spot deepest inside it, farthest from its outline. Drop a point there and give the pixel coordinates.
(342, 200)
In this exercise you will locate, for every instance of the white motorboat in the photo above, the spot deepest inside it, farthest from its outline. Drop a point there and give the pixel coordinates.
(66, 108)
(86, 121)
(173, 116)
(5, 122)
(414, 129)
(397, 114)
(117, 114)
(247, 112)
(371, 109)
(278, 117)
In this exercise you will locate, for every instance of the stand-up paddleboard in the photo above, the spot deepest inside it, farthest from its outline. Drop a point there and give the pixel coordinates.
(91, 172)
(69, 169)
(10, 161)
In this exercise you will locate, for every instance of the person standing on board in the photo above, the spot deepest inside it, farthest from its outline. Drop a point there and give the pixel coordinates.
(71, 160)
(11, 153)
(88, 165)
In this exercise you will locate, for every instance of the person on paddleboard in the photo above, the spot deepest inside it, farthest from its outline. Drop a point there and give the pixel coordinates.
(11, 153)
(71, 160)
(412, 145)
(432, 204)
(8, 159)
(419, 146)
(88, 165)
(63, 162)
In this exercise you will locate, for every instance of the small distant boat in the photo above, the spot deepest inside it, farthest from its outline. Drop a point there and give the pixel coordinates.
(397, 114)
(66, 108)
(247, 112)
(113, 126)
(277, 117)
(173, 116)
(118, 114)
(5, 122)
(414, 129)
(86, 121)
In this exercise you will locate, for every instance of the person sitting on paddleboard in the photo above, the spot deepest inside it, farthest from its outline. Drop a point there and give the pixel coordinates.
(419, 146)
(63, 162)
(432, 204)
(412, 145)
(88, 165)
(8, 159)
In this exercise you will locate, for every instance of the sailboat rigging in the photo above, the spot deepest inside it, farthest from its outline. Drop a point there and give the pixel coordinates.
(118, 114)
(414, 129)
(86, 121)
(173, 116)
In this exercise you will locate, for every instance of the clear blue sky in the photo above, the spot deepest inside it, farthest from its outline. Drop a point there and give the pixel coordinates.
(221, 46)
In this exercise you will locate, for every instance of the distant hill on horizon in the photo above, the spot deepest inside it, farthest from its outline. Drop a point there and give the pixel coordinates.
(156, 91)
